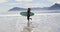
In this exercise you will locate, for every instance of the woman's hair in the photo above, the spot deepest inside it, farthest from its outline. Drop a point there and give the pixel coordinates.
(29, 9)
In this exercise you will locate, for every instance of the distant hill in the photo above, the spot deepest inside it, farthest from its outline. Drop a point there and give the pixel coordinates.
(56, 6)
(38, 8)
(17, 9)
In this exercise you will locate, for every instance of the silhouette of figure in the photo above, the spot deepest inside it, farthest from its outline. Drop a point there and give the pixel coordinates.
(28, 14)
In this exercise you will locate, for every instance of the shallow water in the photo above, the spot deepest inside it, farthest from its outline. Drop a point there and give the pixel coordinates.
(41, 22)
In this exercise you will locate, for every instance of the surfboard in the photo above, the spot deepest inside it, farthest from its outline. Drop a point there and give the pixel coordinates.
(25, 13)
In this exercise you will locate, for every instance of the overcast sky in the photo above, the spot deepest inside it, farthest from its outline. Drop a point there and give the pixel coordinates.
(34, 3)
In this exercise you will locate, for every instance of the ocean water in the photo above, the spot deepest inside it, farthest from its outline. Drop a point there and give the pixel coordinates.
(12, 21)
(6, 12)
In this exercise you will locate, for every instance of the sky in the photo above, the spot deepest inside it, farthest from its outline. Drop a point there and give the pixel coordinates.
(33, 3)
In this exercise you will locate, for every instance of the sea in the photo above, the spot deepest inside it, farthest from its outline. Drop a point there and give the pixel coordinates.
(42, 21)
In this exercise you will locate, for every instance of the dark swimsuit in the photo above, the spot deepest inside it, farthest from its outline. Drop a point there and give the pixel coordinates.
(28, 14)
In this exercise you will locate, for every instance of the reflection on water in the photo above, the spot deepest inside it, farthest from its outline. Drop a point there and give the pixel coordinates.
(41, 22)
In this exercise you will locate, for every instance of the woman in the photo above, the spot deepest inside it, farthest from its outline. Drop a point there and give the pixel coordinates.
(28, 14)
